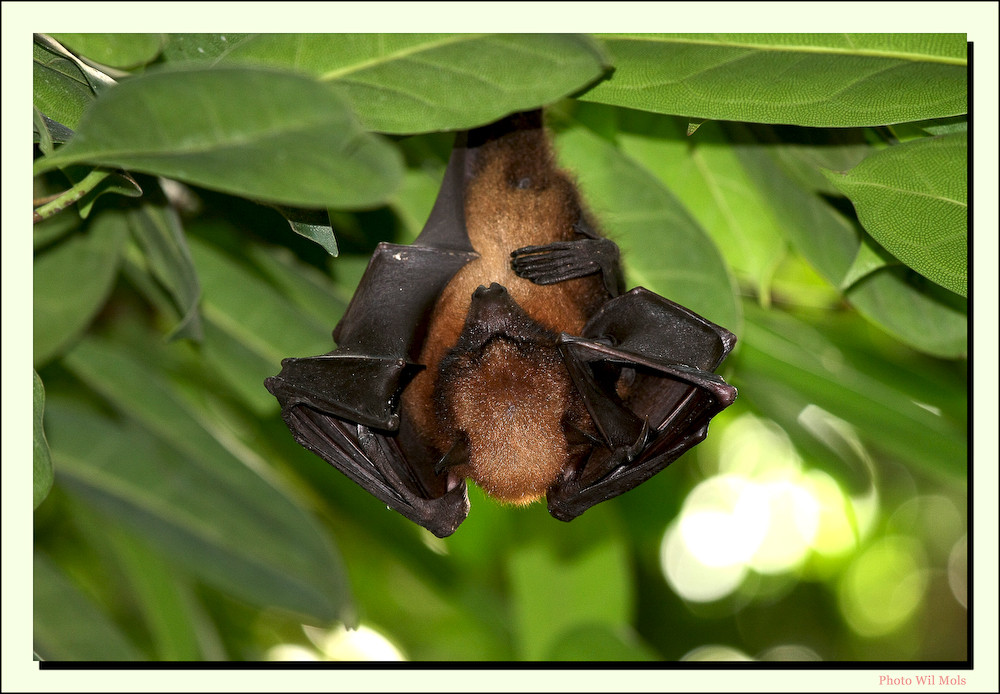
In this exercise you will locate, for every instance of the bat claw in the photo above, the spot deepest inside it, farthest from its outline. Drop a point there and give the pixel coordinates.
(635, 450)
(456, 455)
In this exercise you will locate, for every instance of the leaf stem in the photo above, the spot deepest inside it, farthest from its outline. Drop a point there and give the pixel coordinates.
(71, 196)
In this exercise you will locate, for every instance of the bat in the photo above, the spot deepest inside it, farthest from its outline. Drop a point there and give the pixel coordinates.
(500, 347)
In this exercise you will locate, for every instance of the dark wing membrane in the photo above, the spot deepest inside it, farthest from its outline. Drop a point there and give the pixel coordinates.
(375, 462)
(360, 389)
(344, 405)
(644, 371)
(394, 298)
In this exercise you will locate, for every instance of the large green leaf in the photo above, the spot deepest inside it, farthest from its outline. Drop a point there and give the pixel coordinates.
(914, 313)
(114, 50)
(198, 48)
(41, 458)
(164, 595)
(156, 229)
(914, 310)
(72, 281)
(68, 625)
(60, 89)
(663, 248)
(556, 584)
(834, 80)
(600, 642)
(250, 327)
(173, 479)
(254, 132)
(703, 172)
(407, 83)
(788, 364)
(912, 199)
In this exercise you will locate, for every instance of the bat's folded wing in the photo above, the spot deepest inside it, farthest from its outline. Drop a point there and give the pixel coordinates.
(344, 406)
(360, 389)
(644, 368)
(375, 462)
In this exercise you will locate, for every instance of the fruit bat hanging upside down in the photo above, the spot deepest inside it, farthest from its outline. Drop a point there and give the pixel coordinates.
(499, 347)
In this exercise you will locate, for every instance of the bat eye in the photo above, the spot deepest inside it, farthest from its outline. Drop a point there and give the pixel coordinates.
(523, 183)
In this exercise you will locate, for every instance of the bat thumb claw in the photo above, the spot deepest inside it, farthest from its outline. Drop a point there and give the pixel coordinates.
(456, 455)
(632, 452)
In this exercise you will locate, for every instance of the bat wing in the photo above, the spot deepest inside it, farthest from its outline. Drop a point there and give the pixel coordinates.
(644, 368)
(344, 405)
(375, 461)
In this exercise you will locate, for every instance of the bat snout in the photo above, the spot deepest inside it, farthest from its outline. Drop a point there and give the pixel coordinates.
(494, 291)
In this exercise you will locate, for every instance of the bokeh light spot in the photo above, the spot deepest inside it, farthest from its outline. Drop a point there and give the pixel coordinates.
(762, 512)
(338, 643)
(883, 586)
(715, 653)
(291, 652)
(692, 579)
(793, 520)
(723, 521)
(790, 653)
(958, 571)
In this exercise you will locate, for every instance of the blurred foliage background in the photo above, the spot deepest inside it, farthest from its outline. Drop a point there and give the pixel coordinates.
(205, 204)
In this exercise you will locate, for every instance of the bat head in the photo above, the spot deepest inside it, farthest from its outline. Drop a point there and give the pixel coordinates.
(504, 389)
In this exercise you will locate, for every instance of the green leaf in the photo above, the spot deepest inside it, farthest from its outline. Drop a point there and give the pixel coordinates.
(826, 239)
(786, 359)
(174, 481)
(704, 173)
(163, 596)
(115, 184)
(156, 229)
(251, 327)
(41, 458)
(409, 83)
(555, 595)
(870, 257)
(311, 290)
(114, 50)
(914, 310)
(313, 225)
(199, 48)
(911, 311)
(88, 185)
(98, 80)
(68, 625)
(72, 281)
(600, 642)
(826, 80)
(42, 130)
(61, 91)
(912, 199)
(249, 308)
(322, 234)
(804, 153)
(663, 248)
(252, 132)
